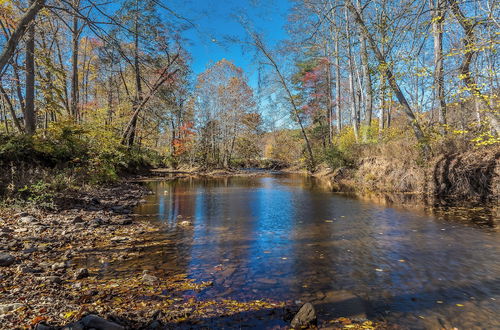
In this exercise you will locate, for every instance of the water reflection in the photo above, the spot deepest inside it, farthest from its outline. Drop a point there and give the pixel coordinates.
(285, 237)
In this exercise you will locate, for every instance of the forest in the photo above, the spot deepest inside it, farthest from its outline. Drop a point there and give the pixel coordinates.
(109, 87)
(371, 96)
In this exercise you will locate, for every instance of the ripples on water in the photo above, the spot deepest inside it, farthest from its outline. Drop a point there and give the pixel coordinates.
(285, 237)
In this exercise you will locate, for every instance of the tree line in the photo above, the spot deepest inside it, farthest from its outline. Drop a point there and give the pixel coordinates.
(351, 68)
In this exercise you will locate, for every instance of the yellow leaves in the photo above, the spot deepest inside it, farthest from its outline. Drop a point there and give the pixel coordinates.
(70, 314)
(460, 305)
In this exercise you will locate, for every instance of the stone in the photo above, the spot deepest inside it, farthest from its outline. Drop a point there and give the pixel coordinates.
(6, 308)
(341, 303)
(74, 326)
(6, 260)
(121, 209)
(78, 219)
(185, 223)
(124, 222)
(81, 273)
(305, 317)
(97, 222)
(58, 265)
(28, 220)
(53, 279)
(41, 326)
(6, 230)
(27, 270)
(268, 281)
(96, 322)
(119, 239)
(149, 278)
(156, 324)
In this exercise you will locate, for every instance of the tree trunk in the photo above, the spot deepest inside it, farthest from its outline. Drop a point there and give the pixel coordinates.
(15, 37)
(337, 83)
(30, 115)
(74, 65)
(138, 84)
(11, 109)
(438, 14)
(367, 79)
(381, 123)
(470, 44)
(329, 93)
(259, 44)
(352, 94)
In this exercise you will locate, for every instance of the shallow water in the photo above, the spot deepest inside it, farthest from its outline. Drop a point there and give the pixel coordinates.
(286, 237)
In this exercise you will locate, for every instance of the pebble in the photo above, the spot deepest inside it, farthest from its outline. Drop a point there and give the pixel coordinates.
(58, 265)
(305, 317)
(6, 259)
(53, 279)
(28, 220)
(81, 273)
(119, 239)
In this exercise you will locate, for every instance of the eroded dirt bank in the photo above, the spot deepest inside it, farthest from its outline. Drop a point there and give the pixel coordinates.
(454, 179)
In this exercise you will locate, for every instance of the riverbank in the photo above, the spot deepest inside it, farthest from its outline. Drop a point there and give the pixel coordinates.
(49, 276)
(454, 179)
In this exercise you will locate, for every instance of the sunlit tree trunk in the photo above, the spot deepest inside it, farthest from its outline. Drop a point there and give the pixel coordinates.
(438, 12)
(352, 94)
(30, 115)
(337, 83)
(75, 35)
(367, 80)
(138, 84)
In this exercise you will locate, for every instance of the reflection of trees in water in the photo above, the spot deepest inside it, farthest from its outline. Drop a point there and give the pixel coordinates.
(249, 224)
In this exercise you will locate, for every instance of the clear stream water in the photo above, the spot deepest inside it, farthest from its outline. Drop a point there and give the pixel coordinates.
(286, 237)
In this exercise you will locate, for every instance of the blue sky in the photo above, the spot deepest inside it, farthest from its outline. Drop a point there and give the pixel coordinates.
(216, 20)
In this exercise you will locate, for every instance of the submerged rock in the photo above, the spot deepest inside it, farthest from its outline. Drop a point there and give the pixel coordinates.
(149, 278)
(305, 317)
(6, 259)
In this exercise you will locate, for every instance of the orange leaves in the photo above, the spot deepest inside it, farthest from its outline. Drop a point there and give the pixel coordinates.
(37, 320)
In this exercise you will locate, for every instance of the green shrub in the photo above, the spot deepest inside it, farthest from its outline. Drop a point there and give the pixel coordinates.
(335, 158)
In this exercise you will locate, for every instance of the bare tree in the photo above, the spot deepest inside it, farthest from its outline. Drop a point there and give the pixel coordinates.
(385, 69)
(259, 44)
